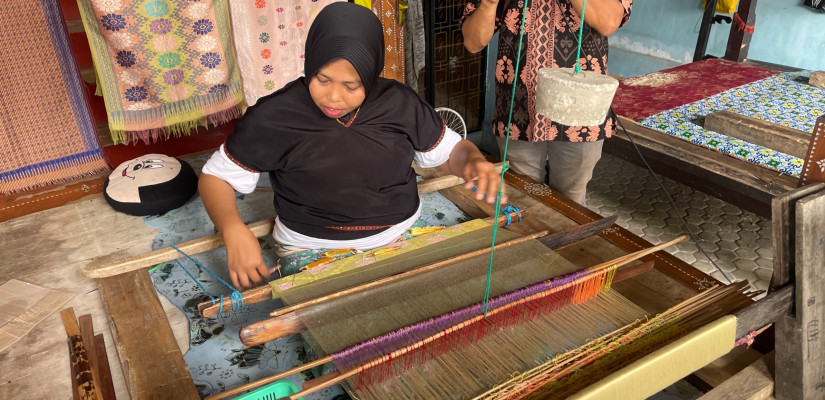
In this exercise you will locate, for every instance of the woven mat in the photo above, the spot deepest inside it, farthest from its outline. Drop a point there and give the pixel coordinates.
(46, 132)
(164, 67)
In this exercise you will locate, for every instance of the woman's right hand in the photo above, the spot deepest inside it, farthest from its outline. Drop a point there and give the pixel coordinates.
(243, 257)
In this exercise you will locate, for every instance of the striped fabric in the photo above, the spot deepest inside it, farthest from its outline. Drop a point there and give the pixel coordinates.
(46, 132)
(164, 67)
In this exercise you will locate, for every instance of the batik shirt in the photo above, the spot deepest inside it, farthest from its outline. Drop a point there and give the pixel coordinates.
(551, 41)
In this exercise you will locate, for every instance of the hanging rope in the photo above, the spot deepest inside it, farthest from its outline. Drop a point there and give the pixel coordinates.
(504, 161)
(579, 48)
(235, 298)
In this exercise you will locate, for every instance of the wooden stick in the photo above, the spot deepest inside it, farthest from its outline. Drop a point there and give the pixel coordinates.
(103, 269)
(107, 387)
(87, 335)
(82, 376)
(263, 292)
(404, 275)
(621, 274)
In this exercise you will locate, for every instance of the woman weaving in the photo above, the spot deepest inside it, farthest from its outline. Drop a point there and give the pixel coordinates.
(338, 145)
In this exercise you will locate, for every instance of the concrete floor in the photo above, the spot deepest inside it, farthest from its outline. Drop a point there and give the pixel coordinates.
(737, 241)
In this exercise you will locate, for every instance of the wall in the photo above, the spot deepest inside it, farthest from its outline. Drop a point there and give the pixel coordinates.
(662, 34)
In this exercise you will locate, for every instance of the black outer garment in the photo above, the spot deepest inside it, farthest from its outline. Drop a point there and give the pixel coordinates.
(325, 174)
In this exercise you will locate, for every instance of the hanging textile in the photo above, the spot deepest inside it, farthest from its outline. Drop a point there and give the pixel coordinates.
(164, 67)
(414, 41)
(46, 132)
(269, 40)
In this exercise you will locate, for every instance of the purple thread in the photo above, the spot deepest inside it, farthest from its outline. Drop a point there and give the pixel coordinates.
(389, 342)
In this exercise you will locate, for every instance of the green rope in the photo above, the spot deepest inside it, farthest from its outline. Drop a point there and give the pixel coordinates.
(579, 49)
(507, 141)
(504, 163)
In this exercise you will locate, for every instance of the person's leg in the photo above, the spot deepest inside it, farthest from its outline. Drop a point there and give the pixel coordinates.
(571, 166)
(526, 158)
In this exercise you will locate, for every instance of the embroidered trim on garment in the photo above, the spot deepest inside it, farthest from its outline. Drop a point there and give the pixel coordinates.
(238, 163)
(358, 228)
(350, 120)
(437, 142)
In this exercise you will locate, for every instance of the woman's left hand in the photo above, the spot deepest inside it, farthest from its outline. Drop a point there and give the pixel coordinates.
(467, 162)
(482, 174)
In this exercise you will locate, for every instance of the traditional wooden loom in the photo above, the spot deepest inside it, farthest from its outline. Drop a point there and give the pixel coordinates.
(158, 371)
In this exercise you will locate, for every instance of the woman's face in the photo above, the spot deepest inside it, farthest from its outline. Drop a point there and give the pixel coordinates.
(336, 89)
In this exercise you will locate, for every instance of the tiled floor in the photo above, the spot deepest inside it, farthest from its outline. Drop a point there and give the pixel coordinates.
(737, 241)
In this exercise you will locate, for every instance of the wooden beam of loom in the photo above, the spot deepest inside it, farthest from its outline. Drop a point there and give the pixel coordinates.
(264, 292)
(761, 133)
(103, 269)
(800, 366)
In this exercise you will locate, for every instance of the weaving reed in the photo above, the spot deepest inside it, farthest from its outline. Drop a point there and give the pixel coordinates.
(163, 67)
(46, 132)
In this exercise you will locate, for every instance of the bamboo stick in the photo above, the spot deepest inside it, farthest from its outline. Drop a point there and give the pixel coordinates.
(104, 269)
(621, 274)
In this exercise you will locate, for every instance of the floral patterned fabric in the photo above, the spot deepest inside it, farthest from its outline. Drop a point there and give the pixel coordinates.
(269, 40)
(164, 67)
(783, 99)
(552, 29)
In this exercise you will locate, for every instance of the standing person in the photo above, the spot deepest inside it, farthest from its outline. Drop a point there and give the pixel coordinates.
(338, 145)
(569, 152)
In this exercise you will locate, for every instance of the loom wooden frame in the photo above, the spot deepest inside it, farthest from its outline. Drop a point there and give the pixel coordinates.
(131, 301)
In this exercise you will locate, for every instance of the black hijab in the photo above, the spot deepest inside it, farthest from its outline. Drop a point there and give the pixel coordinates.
(344, 178)
(348, 31)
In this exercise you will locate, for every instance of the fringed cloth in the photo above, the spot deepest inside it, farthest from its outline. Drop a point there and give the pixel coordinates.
(164, 67)
(46, 132)
(269, 40)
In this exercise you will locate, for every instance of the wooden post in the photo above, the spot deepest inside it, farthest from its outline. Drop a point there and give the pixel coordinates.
(800, 365)
(783, 208)
(704, 31)
(739, 41)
